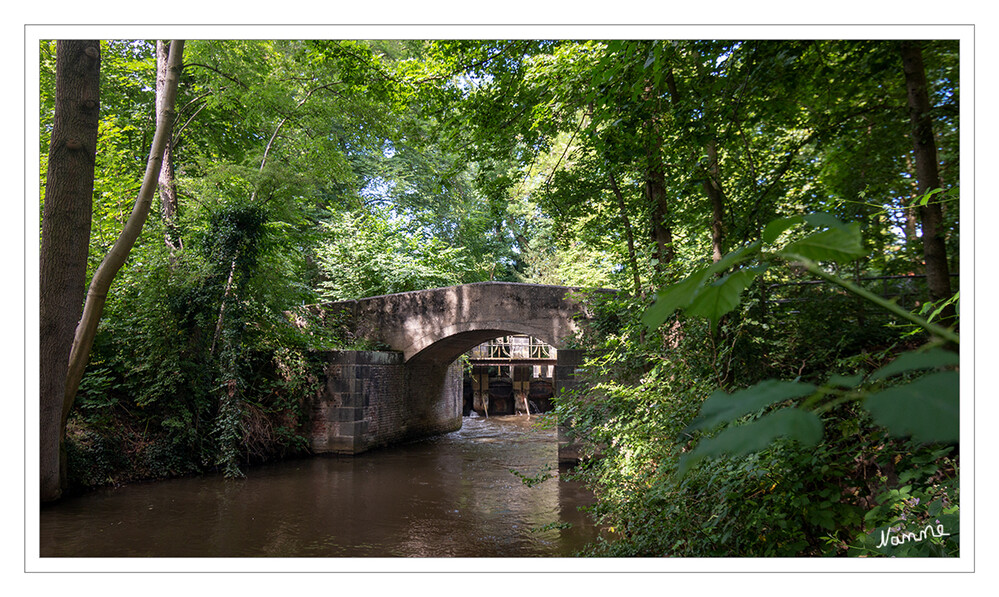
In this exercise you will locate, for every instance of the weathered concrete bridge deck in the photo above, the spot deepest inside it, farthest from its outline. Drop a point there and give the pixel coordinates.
(414, 389)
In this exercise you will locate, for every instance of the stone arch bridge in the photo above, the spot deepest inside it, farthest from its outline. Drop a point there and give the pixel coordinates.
(413, 388)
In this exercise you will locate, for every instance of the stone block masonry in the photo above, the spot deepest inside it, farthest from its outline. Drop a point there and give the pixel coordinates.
(569, 361)
(373, 399)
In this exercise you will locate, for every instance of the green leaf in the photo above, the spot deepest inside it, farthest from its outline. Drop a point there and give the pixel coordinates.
(721, 296)
(775, 228)
(928, 409)
(851, 381)
(687, 292)
(925, 198)
(722, 407)
(673, 297)
(941, 305)
(823, 220)
(734, 258)
(803, 426)
(912, 361)
(839, 244)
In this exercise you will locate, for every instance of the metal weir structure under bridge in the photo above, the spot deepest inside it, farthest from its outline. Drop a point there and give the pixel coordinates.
(510, 375)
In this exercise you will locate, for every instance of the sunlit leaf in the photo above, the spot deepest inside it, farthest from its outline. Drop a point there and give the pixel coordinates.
(775, 228)
(734, 258)
(710, 301)
(673, 297)
(925, 198)
(823, 220)
(720, 297)
(803, 426)
(839, 244)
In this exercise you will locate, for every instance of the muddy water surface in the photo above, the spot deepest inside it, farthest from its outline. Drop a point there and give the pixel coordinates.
(451, 496)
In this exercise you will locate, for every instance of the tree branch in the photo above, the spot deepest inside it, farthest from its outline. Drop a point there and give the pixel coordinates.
(217, 71)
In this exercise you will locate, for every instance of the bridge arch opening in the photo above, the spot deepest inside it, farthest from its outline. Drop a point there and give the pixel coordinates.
(449, 347)
(490, 386)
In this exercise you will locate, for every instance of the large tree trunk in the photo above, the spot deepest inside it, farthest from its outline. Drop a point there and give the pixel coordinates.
(925, 153)
(105, 274)
(69, 188)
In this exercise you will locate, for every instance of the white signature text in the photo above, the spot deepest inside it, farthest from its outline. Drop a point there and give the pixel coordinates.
(895, 540)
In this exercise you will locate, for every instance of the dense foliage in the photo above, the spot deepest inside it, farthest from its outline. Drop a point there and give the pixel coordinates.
(869, 453)
(756, 203)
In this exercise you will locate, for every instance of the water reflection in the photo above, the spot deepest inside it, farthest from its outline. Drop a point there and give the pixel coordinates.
(452, 496)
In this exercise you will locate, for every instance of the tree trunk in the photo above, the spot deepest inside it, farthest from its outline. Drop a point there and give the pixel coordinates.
(713, 189)
(662, 233)
(655, 181)
(712, 182)
(909, 208)
(632, 258)
(225, 298)
(66, 216)
(105, 274)
(167, 181)
(925, 154)
(655, 194)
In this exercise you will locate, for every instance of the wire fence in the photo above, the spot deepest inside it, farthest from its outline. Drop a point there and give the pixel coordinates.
(820, 298)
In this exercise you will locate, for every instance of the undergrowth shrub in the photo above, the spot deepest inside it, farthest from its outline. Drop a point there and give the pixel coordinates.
(176, 393)
(642, 389)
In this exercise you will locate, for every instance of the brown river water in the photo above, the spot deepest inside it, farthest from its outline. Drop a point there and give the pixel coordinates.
(449, 496)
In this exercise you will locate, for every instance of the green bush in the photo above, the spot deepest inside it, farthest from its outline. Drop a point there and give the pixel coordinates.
(701, 453)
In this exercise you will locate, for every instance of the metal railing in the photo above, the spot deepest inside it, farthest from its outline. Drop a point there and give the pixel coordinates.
(512, 348)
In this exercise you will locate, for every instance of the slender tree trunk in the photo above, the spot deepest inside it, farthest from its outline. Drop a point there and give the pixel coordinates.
(927, 173)
(253, 197)
(167, 180)
(655, 181)
(713, 189)
(712, 183)
(225, 298)
(106, 272)
(66, 218)
(629, 236)
(655, 193)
